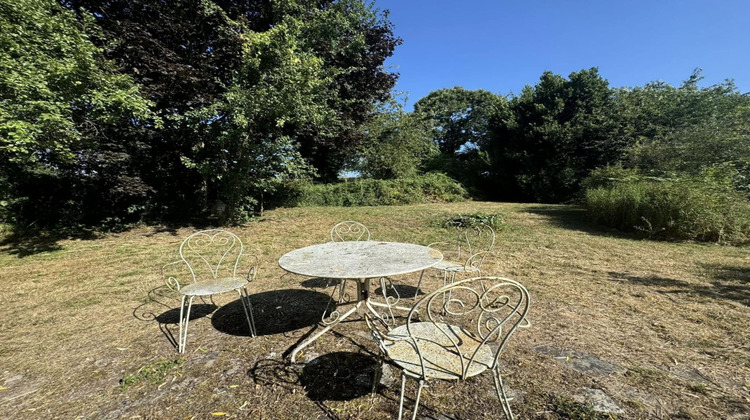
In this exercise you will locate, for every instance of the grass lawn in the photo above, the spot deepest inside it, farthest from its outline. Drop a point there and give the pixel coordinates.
(662, 329)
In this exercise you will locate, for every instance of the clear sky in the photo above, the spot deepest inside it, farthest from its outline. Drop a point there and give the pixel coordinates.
(501, 45)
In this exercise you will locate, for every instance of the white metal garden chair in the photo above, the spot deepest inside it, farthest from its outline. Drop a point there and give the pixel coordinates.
(455, 338)
(213, 258)
(347, 231)
(465, 254)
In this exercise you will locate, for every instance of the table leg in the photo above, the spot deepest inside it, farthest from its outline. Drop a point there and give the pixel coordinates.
(323, 331)
(363, 286)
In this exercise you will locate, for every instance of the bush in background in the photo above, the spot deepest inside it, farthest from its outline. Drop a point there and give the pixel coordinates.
(672, 209)
(494, 221)
(428, 188)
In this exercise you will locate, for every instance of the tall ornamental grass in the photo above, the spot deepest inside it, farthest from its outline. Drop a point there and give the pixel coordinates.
(672, 210)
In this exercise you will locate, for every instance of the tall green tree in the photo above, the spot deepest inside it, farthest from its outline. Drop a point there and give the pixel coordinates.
(213, 74)
(459, 121)
(398, 145)
(682, 130)
(459, 118)
(557, 131)
(58, 99)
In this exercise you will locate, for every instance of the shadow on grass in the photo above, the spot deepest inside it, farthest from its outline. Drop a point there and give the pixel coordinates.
(173, 227)
(576, 218)
(338, 376)
(726, 282)
(275, 312)
(32, 243)
(319, 283)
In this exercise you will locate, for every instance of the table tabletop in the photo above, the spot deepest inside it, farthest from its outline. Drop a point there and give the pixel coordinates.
(359, 260)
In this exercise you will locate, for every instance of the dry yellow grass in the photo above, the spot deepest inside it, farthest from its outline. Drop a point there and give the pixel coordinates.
(80, 316)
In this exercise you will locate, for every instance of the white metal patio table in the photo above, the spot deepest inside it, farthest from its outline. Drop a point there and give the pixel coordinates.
(359, 261)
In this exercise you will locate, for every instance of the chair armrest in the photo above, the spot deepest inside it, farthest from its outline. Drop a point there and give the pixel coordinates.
(251, 273)
(253, 270)
(379, 330)
(171, 280)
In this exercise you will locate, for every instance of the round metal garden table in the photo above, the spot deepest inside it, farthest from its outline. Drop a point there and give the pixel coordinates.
(359, 261)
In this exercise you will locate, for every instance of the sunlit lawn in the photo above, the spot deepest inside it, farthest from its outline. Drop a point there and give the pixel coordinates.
(85, 325)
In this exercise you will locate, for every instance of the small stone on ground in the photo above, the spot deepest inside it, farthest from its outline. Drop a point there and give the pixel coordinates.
(581, 362)
(597, 398)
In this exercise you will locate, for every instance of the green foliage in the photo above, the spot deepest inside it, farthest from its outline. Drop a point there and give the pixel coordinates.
(494, 221)
(677, 209)
(459, 118)
(683, 130)
(53, 90)
(398, 144)
(58, 102)
(244, 95)
(152, 373)
(459, 121)
(556, 132)
(428, 188)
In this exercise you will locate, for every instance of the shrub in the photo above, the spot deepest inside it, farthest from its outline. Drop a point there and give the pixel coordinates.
(673, 209)
(494, 221)
(428, 188)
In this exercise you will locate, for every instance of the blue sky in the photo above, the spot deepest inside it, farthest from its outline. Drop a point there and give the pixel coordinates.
(501, 46)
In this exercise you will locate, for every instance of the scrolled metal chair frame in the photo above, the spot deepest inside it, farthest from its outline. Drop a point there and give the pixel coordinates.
(194, 254)
(500, 306)
(347, 230)
(464, 255)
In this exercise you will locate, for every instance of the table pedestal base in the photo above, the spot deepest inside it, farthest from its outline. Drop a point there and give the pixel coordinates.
(363, 298)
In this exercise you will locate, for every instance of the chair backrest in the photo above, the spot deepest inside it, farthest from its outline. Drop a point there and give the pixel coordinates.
(471, 245)
(474, 239)
(349, 231)
(210, 252)
(488, 308)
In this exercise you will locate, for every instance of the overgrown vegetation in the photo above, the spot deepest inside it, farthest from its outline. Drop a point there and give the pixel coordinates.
(494, 221)
(673, 210)
(428, 188)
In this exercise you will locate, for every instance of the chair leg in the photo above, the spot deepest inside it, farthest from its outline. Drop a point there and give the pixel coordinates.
(501, 394)
(403, 389)
(340, 288)
(245, 299)
(182, 340)
(419, 394)
(377, 375)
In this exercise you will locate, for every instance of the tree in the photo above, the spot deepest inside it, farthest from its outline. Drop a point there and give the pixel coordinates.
(398, 144)
(353, 40)
(57, 99)
(556, 132)
(217, 74)
(459, 117)
(674, 130)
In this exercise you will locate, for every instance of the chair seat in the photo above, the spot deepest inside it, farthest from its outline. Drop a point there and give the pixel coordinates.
(452, 266)
(213, 286)
(448, 265)
(441, 358)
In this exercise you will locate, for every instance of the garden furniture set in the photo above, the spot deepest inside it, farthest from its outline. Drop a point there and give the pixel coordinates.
(452, 333)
